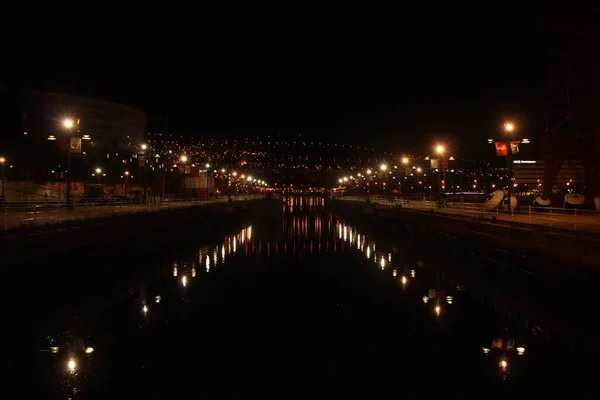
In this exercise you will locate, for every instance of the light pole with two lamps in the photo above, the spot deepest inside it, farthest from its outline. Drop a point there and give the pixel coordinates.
(509, 127)
(68, 125)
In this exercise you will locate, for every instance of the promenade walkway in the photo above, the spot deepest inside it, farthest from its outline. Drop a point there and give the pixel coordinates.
(578, 220)
(47, 214)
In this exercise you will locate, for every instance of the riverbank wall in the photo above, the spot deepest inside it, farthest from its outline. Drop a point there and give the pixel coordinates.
(566, 252)
(109, 237)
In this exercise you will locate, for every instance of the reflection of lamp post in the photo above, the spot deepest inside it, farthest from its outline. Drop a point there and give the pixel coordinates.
(2, 161)
(68, 124)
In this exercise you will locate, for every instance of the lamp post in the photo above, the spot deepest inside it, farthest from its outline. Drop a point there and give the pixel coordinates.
(509, 128)
(418, 178)
(126, 174)
(68, 124)
(225, 179)
(383, 168)
(207, 165)
(2, 161)
(144, 147)
(439, 149)
(98, 174)
(405, 162)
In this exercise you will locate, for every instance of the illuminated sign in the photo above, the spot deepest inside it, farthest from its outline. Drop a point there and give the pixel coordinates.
(524, 162)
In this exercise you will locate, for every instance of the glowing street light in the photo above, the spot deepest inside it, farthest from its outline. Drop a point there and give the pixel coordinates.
(2, 162)
(71, 365)
(126, 189)
(98, 171)
(68, 124)
(509, 127)
(144, 146)
(183, 159)
(439, 149)
(369, 172)
(383, 167)
(405, 160)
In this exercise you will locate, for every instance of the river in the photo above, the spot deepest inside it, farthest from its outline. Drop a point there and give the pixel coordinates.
(299, 305)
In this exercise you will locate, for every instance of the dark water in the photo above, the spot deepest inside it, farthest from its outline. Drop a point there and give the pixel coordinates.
(300, 305)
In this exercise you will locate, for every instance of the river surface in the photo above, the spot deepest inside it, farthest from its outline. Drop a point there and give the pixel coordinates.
(300, 305)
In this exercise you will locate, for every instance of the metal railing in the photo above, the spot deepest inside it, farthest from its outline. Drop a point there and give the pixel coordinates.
(45, 213)
(554, 217)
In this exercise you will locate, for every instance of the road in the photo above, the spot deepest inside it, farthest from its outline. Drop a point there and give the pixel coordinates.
(580, 220)
(15, 217)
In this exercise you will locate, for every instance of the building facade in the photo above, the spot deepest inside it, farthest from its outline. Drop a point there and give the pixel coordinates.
(529, 175)
(111, 136)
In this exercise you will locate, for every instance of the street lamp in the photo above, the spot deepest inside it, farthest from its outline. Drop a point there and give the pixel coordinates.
(68, 124)
(2, 161)
(98, 174)
(184, 158)
(207, 165)
(418, 178)
(405, 161)
(439, 149)
(383, 167)
(509, 127)
(126, 173)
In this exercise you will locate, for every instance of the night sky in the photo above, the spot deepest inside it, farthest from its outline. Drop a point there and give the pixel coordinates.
(403, 77)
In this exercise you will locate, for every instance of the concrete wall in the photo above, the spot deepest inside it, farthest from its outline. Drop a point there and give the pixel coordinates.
(29, 191)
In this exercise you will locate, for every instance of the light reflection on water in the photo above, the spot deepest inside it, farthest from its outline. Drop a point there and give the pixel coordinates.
(436, 296)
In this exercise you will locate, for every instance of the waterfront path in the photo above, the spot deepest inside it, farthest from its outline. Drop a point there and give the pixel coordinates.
(47, 214)
(558, 218)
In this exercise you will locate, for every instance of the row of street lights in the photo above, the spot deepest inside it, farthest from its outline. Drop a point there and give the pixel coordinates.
(439, 149)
